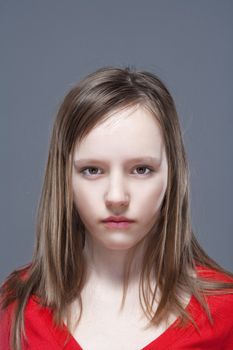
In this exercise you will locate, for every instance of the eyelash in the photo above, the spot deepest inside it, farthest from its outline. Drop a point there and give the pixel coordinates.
(151, 170)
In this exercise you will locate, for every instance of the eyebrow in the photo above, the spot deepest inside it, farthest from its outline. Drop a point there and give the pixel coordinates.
(130, 160)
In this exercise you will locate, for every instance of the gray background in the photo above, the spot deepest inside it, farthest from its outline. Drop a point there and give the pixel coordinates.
(47, 46)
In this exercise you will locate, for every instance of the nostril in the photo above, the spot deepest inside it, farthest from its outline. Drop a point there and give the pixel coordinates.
(116, 203)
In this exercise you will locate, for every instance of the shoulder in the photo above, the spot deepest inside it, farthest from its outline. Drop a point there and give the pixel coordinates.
(220, 304)
(6, 317)
(38, 322)
(16, 277)
(8, 303)
(223, 292)
(214, 274)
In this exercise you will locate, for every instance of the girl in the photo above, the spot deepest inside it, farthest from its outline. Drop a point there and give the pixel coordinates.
(116, 263)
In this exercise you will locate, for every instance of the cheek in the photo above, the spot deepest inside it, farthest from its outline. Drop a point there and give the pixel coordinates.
(85, 200)
(153, 194)
(159, 193)
(150, 199)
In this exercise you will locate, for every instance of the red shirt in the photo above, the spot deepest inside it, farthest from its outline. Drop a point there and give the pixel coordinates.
(43, 335)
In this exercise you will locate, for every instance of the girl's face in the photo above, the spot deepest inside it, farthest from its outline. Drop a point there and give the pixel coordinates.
(120, 169)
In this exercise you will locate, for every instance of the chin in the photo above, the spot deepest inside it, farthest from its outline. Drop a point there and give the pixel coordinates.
(117, 245)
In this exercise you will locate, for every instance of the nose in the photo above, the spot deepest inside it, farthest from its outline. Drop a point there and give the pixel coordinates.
(116, 196)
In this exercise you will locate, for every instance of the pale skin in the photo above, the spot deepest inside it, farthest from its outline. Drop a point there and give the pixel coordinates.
(119, 168)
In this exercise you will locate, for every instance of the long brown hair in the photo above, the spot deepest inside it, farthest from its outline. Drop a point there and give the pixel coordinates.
(57, 271)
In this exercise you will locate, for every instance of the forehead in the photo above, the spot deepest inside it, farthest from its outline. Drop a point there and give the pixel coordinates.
(130, 131)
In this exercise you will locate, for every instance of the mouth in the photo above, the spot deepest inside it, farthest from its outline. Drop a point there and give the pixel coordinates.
(117, 219)
(117, 222)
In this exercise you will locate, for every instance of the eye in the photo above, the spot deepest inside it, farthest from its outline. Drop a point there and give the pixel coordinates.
(141, 170)
(89, 171)
(94, 171)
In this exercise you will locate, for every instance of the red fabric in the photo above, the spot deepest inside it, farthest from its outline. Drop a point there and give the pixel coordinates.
(43, 335)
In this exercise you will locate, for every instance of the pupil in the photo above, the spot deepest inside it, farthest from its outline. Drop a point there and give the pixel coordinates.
(93, 170)
(141, 168)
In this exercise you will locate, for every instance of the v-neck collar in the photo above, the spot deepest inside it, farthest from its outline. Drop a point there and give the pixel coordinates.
(163, 341)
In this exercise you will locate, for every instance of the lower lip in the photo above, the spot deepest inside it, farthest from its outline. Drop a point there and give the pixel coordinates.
(120, 224)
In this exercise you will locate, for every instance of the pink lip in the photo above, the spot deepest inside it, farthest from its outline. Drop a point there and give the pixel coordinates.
(117, 219)
(119, 224)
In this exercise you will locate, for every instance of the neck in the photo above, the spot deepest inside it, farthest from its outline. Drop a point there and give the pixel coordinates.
(108, 265)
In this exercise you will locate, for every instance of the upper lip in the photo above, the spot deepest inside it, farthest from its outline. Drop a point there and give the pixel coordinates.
(117, 219)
